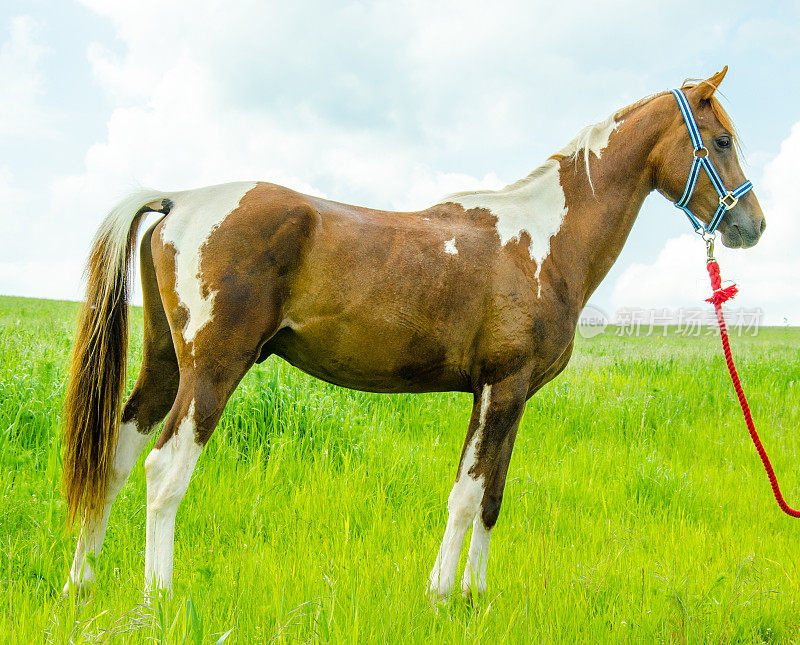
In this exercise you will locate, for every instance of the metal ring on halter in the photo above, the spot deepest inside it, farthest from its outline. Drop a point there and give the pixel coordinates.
(728, 205)
(701, 149)
(706, 235)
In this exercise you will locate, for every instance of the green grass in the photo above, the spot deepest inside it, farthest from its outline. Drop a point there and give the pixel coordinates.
(636, 508)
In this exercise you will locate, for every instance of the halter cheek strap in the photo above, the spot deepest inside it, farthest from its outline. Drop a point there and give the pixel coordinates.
(727, 198)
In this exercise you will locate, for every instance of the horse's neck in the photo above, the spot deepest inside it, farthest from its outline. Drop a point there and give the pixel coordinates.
(574, 228)
(601, 212)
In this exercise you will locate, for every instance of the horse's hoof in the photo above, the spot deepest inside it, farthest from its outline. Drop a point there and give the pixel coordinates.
(436, 597)
(83, 589)
(472, 597)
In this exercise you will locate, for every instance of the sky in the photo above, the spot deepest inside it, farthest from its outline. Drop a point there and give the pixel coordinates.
(385, 104)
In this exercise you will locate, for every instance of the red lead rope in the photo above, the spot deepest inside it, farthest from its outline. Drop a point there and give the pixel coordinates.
(720, 296)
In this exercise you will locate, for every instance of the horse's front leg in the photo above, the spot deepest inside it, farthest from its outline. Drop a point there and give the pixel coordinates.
(479, 483)
(474, 579)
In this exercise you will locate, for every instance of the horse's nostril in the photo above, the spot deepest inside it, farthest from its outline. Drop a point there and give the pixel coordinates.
(763, 224)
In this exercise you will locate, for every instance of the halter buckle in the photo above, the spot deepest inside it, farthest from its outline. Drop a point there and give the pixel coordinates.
(728, 201)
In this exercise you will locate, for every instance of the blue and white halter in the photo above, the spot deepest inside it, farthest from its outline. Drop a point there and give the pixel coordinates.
(727, 198)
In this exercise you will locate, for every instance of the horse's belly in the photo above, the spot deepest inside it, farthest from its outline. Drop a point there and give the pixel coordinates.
(379, 363)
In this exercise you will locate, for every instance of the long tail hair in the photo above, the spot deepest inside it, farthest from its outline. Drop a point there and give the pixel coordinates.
(99, 359)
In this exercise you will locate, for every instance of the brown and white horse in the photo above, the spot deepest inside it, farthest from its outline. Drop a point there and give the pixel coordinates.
(479, 293)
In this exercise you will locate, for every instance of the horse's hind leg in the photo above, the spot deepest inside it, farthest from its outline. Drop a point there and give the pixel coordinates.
(147, 405)
(210, 369)
(203, 392)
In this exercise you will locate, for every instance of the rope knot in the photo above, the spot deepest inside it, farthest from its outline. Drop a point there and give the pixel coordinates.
(720, 295)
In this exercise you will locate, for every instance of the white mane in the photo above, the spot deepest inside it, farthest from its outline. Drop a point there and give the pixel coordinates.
(593, 138)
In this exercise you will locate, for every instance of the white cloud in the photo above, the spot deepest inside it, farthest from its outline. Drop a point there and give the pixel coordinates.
(10, 196)
(767, 274)
(175, 127)
(428, 187)
(21, 80)
(12, 199)
(49, 278)
(677, 278)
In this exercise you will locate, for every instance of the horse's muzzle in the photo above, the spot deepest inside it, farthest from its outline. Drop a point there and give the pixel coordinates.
(744, 229)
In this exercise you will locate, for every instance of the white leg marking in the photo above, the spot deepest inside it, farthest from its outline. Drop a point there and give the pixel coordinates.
(194, 217)
(129, 444)
(462, 505)
(475, 572)
(169, 470)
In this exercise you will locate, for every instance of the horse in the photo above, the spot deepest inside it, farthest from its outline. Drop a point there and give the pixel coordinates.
(480, 293)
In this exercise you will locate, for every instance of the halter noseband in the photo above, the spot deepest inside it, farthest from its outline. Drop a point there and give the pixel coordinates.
(727, 198)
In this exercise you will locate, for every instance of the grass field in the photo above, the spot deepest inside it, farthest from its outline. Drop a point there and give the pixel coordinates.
(636, 508)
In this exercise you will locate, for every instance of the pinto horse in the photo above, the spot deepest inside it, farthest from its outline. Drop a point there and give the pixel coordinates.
(480, 293)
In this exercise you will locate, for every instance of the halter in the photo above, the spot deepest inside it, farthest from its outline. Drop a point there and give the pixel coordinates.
(727, 198)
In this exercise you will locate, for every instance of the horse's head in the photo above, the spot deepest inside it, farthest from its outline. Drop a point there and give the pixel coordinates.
(742, 224)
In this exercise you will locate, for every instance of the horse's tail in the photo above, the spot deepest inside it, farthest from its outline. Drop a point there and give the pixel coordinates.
(98, 368)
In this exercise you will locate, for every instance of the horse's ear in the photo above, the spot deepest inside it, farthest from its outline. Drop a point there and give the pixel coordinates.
(705, 89)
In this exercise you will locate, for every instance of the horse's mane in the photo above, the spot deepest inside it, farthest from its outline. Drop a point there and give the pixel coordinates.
(581, 143)
(716, 107)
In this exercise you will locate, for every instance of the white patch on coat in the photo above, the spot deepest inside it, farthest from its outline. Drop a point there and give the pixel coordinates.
(485, 396)
(463, 503)
(536, 204)
(168, 471)
(195, 215)
(450, 247)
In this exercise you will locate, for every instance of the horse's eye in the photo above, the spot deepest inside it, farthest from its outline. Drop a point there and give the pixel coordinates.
(724, 141)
